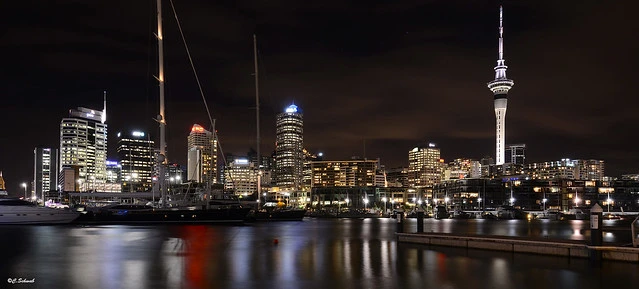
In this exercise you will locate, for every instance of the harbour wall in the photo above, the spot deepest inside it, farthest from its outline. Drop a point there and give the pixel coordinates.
(520, 245)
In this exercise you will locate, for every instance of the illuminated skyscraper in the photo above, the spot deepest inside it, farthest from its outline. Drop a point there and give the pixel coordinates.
(83, 145)
(202, 156)
(289, 148)
(136, 155)
(241, 177)
(45, 175)
(500, 87)
(425, 166)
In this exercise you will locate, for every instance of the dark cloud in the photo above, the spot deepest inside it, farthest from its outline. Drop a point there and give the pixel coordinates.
(372, 78)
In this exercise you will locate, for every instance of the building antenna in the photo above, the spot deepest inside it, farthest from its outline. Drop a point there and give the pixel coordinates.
(104, 109)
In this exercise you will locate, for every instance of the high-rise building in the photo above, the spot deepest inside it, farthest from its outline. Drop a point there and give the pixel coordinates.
(202, 156)
(588, 170)
(462, 169)
(114, 177)
(348, 173)
(516, 154)
(289, 148)
(591, 170)
(425, 166)
(45, 173)
(397, 177)
(83, 145)
(241, 177)
(136, 153)
(500, 87)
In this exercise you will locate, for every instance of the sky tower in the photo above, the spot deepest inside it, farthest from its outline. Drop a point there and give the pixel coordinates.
(500, 87)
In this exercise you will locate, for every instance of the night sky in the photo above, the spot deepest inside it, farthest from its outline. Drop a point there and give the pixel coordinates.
(373, 78)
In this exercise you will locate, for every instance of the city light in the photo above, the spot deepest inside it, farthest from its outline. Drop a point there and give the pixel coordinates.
(24, 185)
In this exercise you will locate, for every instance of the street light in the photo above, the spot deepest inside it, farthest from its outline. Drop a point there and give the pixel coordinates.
(24, 185)
(609, 201)
(479, 201)
(365, 204)
(384, 200)
(512, 201)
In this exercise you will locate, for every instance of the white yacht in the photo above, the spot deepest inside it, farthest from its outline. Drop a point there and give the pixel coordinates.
(16, 211)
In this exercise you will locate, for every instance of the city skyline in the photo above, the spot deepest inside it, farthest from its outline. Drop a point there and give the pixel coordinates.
(377, 79)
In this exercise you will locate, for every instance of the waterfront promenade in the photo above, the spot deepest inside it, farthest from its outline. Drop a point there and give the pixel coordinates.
(578, 245)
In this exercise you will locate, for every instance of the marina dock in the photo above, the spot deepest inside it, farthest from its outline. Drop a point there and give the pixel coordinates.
(566, 248)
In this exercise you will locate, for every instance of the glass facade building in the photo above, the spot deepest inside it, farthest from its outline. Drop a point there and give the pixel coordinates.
(289, 150)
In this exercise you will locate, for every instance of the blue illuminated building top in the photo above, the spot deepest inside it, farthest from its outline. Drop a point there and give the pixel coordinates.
(291, 108)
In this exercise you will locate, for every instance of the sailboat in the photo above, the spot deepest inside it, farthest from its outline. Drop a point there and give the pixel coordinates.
(266, 212)
(203, 211)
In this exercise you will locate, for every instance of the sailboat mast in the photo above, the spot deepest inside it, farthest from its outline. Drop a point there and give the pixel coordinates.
(257, 100)
(257, 119)
(161, 117)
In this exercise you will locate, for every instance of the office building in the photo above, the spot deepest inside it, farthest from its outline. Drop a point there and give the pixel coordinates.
(83, 145)
(241, 177)
(345, 173)
(45, 174)
(516, 154)
(202, 156)
(136, 154)
(289, 148)
(425, 166)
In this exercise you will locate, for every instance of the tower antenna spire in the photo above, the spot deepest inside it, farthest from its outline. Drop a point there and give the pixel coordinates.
(104, 109)
(501, 33)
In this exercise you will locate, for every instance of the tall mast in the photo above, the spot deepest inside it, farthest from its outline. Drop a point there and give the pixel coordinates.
(257, 118)
(257, 100)
(161, 117)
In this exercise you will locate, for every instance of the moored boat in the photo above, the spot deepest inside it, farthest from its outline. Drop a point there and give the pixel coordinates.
(143, 214)
(15, 211)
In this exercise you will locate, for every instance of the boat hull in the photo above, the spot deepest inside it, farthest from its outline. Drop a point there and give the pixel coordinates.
(166, 216)
(279, 215)
(18, 215)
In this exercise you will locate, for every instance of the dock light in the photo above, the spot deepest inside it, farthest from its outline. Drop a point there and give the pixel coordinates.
(446, 199)
(512, 201)
(419, 202)
(479, 200)
(577, 200)
(384, 199)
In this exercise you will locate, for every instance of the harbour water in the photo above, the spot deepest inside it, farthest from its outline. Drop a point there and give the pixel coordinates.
(314, 253)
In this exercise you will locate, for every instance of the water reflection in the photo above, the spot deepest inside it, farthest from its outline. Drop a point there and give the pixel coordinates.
(309, 254)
